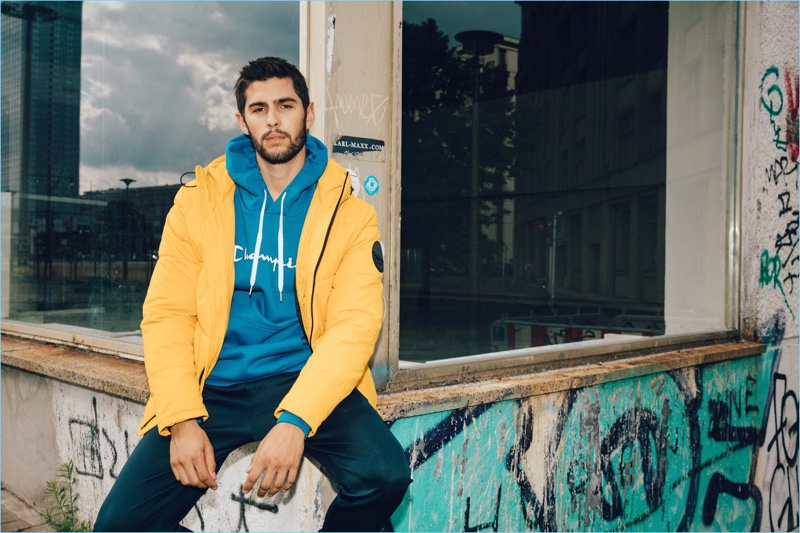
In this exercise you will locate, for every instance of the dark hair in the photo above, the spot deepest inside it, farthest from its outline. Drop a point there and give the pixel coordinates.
(265, 68)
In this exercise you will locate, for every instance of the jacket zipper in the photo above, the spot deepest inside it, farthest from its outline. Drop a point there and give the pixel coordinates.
(319, 260)
(300, 315)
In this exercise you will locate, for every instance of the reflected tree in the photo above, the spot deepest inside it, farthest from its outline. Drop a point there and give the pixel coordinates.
(437, 132)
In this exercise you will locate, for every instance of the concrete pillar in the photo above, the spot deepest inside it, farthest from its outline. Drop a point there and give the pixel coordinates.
(350, 52)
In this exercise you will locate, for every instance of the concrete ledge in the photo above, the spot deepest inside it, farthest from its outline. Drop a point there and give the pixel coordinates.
(127, 379)
(112, 375)
(404, 404)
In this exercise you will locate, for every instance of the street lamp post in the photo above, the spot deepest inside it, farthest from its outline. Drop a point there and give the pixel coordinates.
(126, 253)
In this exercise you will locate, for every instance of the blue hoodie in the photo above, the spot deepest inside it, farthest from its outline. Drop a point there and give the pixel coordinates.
(264, 336)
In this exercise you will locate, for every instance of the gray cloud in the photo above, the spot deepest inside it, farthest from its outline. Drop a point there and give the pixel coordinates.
(157, 80)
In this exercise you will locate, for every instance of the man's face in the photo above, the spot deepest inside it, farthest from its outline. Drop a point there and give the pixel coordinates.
(275, 120)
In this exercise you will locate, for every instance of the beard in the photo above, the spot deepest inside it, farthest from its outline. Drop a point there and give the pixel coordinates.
(279, 156)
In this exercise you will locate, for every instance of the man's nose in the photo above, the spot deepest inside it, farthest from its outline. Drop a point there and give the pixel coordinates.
(272, 118)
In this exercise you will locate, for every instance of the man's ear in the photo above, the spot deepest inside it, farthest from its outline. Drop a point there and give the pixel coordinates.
(310, 115)
(242, 124)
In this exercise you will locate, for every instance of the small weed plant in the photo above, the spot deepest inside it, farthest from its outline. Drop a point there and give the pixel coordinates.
(62, 515)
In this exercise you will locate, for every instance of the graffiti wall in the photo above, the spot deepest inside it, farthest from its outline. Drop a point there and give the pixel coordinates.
(777, 465)
(671, 451)
(707, 448)
(770, 242)
(779, 257)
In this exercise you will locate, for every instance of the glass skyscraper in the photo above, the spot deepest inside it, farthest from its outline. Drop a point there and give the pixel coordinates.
(41, 76)
(41, 80)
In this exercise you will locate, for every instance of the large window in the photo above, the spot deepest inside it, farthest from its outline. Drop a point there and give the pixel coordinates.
(567, 170)
(565, 167)
(105, 106)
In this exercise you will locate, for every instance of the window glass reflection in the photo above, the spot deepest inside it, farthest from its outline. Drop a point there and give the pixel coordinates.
(533, 174)
(104, 107)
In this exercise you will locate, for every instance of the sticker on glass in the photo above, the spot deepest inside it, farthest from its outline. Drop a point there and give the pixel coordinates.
(371, 185)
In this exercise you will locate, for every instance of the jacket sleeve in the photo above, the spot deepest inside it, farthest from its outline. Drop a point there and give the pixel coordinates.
(353, 319)
(169, 321)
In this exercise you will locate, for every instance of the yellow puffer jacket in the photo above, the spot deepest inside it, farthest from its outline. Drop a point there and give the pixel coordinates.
(338, 287)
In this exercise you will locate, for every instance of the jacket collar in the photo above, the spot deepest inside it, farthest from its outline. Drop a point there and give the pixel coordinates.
(332, 180)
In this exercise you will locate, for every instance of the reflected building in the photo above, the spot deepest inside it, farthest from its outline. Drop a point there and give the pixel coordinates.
(41, 76)
(591, 89)
(125, 221)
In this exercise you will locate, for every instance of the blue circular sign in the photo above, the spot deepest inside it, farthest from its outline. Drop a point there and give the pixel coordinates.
(371, 185)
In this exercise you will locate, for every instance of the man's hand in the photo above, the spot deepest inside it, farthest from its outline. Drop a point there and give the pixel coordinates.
(278, 455)
(191, 456)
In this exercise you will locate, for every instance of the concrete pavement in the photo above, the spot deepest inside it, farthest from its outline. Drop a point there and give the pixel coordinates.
(19, 516)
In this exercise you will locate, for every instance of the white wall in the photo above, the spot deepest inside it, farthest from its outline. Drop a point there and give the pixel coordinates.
(769, 260)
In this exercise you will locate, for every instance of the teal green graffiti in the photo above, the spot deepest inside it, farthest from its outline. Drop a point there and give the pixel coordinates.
(669, 451)
(470, 468)
(774, 90)
(773, 104)
(622, 458)
(731, 417)
(769, 275)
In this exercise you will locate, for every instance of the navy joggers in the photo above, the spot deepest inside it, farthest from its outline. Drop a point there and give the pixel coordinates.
(364, 460)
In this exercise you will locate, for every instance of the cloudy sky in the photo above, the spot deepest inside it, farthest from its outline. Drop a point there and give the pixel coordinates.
(157, 77)
(157, 80)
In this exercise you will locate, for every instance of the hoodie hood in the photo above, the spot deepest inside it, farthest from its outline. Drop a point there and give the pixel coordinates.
(252, 195)
(241, 164)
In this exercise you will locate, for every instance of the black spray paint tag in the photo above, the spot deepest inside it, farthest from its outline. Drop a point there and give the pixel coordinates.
(377, 255)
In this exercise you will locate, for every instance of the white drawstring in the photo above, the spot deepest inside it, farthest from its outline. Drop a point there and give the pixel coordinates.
(280, 250)
(254, 269)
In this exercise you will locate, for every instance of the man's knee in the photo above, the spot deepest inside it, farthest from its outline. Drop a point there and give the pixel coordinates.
(388, 478)
(397, 481)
